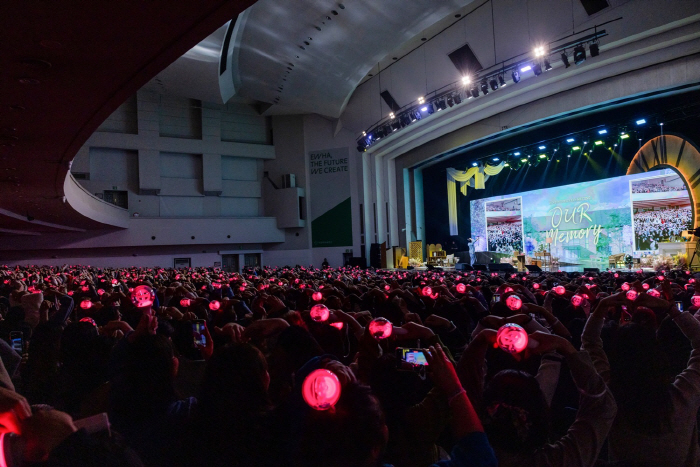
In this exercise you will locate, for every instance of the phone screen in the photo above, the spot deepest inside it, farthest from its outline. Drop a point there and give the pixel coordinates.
(496, 298)
(680, 306)
(412, 356)
(17, 339)
(198, 326)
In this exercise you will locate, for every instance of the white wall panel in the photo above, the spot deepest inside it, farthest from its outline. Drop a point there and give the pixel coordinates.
(239, 168)
(180, 118)
(241, 189)
(180, 206)
(122, 120)
(241, 123)
(174, 165)
(239, 207)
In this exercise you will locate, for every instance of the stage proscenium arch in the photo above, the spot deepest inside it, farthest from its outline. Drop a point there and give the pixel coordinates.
(674, 152)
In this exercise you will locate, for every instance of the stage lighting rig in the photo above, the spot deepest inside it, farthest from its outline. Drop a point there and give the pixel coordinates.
(594, 49)
(579, 55)
(565, 60)
(484, 87)
(494, 84)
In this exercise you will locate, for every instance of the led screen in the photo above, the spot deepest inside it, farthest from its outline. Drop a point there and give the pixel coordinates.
(586, 222)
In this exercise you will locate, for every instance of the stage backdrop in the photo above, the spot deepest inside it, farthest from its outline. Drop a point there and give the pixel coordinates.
(588, 221)
(331, 211)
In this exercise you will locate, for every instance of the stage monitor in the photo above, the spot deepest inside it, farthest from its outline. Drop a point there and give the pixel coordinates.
(585, 222)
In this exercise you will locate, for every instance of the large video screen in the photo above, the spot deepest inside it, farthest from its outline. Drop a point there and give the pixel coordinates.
(586, 222)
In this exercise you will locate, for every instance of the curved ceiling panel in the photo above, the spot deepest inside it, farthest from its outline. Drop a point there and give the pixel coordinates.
(310, 56)
(64, 68)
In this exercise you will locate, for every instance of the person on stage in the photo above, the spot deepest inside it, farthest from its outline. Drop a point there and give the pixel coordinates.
(472, 251)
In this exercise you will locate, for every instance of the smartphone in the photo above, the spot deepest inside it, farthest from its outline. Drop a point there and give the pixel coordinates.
(496, 298)
(198, 327)
(415, 357)
(679, 305)
(17, 339)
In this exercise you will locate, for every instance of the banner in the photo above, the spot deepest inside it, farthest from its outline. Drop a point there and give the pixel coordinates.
(331, 209)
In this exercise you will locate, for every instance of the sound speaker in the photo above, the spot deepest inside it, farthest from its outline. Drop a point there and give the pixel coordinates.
(591, 269)
(501, 267)
(375, 256)
(480, 267)
(533, 268)
(357, 261)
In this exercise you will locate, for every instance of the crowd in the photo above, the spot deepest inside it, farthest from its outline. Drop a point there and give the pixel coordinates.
(506, 237)
(502, 207)
(651, 227)
(651, 187)
(347, 367)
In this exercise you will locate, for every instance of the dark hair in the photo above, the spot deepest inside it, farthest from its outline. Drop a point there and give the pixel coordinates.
(517, 415)
(344, 436)
(639, 379)
(234, 383)
(144, 389)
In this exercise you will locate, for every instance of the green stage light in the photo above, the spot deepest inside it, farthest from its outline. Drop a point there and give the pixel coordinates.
(542, 156)
(576, 148)
(624, 136)
(598, 143)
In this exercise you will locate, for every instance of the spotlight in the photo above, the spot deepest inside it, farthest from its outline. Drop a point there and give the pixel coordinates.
(624, 136)
(484, 87)
(474, 164)
(474, 91)
(501, 80)
(506, 165)
(565, 60)
(431, 110)
(494, 84)
(542, 147)
(598, 143)
(424, 109)
(392, 116)
(542, 156)
(450, 101)
(537, 69)
(539, 51)
(466, 80)
(603, 132)
(516, 153)
(579, 55)
(594, 50)
(364, 134)
(516, 76)
(441, 104)
(400, 123)
(495, 159)
(421, 100)
(547, 65)
(576, 148)
(525, 68)
(569, 140)
(641, 121)
(523, 160)
(405, 120)
(458, 98)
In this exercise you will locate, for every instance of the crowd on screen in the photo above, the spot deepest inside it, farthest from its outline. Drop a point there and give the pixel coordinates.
(655, 187)
(299, 366)
(505, 237)
(502, 207)
(652, 227)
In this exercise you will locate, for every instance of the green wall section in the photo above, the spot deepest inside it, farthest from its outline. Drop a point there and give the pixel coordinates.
(334, 227)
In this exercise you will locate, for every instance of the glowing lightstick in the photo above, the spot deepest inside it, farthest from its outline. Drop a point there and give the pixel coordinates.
(185, 302)
(461, 288)
(631, 295)
(214, 305)
(87, 319)
(86, 304)
(616, 275)
(576, 300)
(559, 290)
(654, 293)
(691, 280)
(143, 296)
(387, 287)
(427, 291)
(508, 289)
(625, 286)
(100, 291)
(660, 278)
(535, 286)
(695, 300)
(85, 288)
(280, 283)
(511, 338)
(645, 286)
(687, 273)
(320, 313)
(380, 328)
(115, 282)
(317, 296)
(321, 389)
(514, 302)
(241, 288)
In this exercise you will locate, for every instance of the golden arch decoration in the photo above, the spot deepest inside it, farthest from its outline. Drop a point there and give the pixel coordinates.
(675, 152)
